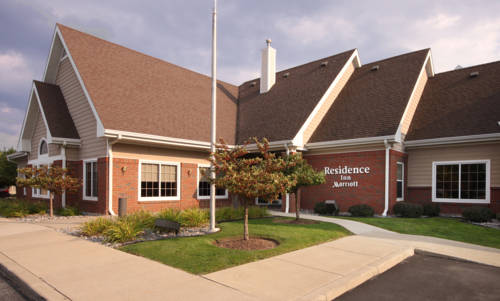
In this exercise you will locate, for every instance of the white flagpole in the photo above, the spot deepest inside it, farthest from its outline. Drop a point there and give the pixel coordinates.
(213, 117)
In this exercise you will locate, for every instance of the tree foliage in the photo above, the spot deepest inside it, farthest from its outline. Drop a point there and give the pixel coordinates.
(55, 179)
(302, 174)
(249, 176)
(7, 169)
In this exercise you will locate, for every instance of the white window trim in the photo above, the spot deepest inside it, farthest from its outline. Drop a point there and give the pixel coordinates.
(40, 146)
(41, 160)
(460, 200)
(86, 197)
(159, 198)
(402, 181)
(206, 197)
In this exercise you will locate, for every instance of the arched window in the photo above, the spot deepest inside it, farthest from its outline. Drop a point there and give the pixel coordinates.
(43, 149)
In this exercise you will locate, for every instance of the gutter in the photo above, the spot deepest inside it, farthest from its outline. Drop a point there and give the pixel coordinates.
(387, 169)
(16, 155)
(287, 202)
(63, 151)
(110, 172)
(453, 140)
(349, 142)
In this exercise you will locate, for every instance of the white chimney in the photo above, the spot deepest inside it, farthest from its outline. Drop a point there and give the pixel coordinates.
(268, 77)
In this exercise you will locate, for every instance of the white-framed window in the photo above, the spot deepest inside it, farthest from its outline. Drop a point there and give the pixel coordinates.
(261, 202)
(461, 181)
(43, 148)
(159, 181)
(400, 181)
(203, 191)
(39, 192)
(90, 180)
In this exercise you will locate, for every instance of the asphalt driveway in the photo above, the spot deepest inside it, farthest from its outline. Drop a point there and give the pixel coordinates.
(430, 277)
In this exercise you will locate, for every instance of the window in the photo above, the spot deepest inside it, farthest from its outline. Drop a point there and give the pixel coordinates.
(39, 192)
(90, 180)
(159, 181)
(204, 185)
(43, 149)
(465, 181)
(400, 174)
(278, 201)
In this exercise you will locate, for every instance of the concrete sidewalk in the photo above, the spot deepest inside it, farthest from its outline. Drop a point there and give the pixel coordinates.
(470, 252)
(59, 266)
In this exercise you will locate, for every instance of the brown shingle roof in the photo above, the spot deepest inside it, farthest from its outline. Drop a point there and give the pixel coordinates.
(279, 113)
(372, 102)
(134, 92)
(455, 104)
(56, 111)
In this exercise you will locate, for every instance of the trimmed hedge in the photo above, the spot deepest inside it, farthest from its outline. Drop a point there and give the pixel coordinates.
(326, 209)
(361, 210)
(478, 214)
(431, 209)
(405, 209)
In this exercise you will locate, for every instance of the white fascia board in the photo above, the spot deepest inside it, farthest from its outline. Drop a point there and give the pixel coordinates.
(298, 139)
(349, 142)
(100, 127)
(49, 135)
(428, 61)
(20, 146)
(69, 141)
(16, 155)
(50, 53)
(146, 138)
(453, 140)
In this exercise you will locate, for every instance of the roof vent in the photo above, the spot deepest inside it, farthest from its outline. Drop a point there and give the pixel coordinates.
(375, 68)
(474, 74)
(286, 75)
(458, 67)
(252, 84)
(323, 64)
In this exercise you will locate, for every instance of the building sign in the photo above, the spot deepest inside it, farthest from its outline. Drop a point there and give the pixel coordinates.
(344, 172)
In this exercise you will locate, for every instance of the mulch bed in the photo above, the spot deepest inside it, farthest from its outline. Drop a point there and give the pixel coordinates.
(254, 243)
(294, 221)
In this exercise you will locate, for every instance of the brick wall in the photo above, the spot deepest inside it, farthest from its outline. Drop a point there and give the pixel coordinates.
(75, 198)
(126, 185)
(423, 195)
(370, 188)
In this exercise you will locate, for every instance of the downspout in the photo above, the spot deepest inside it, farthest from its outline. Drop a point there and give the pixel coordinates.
(387, 158)
(287, 197)
(110, 173)
(63, 198)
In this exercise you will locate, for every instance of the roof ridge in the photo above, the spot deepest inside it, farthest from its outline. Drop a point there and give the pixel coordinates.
(141, 53)
(302, 65)
(470, 67)
(397, 56)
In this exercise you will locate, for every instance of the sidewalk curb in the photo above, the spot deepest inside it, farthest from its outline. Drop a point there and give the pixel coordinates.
(44, 290)
(338, 287)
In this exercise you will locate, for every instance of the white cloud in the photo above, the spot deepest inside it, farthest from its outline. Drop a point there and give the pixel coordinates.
(15, 72)
(10, 124)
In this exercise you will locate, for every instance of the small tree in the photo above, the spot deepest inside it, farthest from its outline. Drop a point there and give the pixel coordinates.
(54, 179)
(302, 174)
(250, 177)
(7, 169)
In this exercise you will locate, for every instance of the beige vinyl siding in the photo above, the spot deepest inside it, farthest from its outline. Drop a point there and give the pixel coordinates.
(420, 161)
(81, 112)
(328, 103)
(39, 133)
(413, 103)
(54, 150)
(130, 151)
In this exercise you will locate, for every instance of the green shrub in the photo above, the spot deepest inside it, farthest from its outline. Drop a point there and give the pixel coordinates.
(194, 217)
(12, 207)
(431, 209)
(96, 226)
(477, 214)
(123, 230)
(361, 210)
(142, 219)
(326, 209)
(405, 209)
(68, 211)
(170, 214)
(257, 212)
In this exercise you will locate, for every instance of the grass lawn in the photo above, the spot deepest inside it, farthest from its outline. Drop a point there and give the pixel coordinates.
(448, 228)
(198, 255)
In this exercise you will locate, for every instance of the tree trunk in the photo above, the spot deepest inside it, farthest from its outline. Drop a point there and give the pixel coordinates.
(246, 236)
(297, 204)
(51, 204)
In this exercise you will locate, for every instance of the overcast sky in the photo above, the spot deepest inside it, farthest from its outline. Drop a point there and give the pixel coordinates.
(179, 31)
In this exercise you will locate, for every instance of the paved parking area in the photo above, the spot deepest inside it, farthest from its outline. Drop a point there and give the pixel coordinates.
(430, 277)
